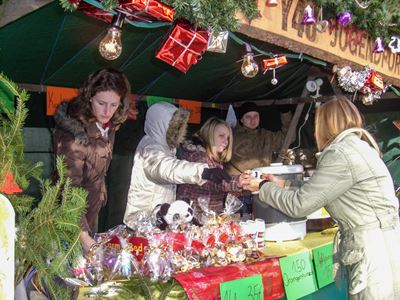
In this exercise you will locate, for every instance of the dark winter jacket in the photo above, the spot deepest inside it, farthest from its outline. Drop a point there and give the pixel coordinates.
(87, 156)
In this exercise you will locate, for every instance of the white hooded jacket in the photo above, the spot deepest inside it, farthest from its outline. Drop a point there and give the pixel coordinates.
(156, 170)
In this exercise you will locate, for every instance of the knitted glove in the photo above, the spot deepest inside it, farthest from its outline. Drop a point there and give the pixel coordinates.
(215, 174)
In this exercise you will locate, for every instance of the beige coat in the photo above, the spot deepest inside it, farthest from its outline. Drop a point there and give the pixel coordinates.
(156, 170)
(355, 187)
(253, 148)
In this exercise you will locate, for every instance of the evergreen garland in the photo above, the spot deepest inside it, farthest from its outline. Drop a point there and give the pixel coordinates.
(379, 18)
(215, 14)
(47, 236)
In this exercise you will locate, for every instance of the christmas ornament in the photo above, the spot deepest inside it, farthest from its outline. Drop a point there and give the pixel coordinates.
(273, 63)
(379, 47)
(367, 81)
(367, 99)
(322, 25)
(308, 17)
(110, 46)
(271, 3)
(150, 10)
(184, 46)
(363, 5)
(394, 44)
(274, 81)
(249, 66)
(344, 18)
(218, 42)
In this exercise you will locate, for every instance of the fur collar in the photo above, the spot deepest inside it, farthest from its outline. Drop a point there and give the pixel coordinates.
(71, 125)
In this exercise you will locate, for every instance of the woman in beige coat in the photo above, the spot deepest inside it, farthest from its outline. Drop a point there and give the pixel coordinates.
(354, 185)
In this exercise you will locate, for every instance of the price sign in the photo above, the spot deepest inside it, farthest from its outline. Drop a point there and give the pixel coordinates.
(298, 275)
(248, 288)
(323, 261)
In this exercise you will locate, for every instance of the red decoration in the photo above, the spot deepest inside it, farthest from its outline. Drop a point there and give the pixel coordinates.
(147, 9)
(183, 47)
(273, 63)
(204, 283)
(137, 245)
(135, 10)
(9, 186)
(95, 12)
(375, 81)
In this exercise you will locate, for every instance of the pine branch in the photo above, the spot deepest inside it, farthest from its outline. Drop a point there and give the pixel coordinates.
(48, 237)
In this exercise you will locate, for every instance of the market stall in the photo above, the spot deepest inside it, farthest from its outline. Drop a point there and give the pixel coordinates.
(296, 60)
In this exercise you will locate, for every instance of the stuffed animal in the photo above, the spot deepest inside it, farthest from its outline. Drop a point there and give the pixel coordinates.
(178, 212)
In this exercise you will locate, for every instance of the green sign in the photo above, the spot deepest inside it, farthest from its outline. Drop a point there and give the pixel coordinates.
(247, 288)
(298, 275)
(323, 261)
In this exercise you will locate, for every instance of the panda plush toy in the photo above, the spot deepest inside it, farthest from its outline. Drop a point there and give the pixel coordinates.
(178, 212)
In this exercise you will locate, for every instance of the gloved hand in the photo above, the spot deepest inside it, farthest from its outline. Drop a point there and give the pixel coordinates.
(215, 174)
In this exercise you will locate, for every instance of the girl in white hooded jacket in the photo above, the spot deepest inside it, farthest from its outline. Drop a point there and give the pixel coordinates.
(156, 170)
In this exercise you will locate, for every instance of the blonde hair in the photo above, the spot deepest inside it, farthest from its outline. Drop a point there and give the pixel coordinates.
(334, 117)
(206, 135)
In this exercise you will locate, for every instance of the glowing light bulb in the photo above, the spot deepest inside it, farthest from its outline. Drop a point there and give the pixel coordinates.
(249, 66)
(110, 46)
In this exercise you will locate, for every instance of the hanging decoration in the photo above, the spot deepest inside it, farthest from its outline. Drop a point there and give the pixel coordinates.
(344, 18)
(273, 64)
(362, 5)
(366, 81)
(394, 44)
(322, 25)
(379, 47)
(134, 10)
(218, 42)
(146, 10)
(110, 46)
(183, 47)
(308, 17)
(249, 66)
(9, 186)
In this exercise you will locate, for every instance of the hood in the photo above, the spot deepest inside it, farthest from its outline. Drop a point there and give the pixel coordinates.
(71, 125)
(166, 124)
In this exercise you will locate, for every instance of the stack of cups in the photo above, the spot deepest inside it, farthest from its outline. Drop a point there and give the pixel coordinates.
(260, 230)
(255, 230)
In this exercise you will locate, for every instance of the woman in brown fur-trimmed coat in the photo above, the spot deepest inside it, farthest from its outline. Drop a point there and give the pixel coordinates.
(85, 131)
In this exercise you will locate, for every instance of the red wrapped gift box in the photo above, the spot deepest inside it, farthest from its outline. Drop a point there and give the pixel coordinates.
(375, 81)
(135, 10)
(183, 47)
(95, 12)
(154, 9)
(273, 63)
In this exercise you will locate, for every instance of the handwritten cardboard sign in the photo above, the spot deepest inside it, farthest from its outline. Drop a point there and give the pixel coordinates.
(244, 288)
(298, 275)
(323, 261)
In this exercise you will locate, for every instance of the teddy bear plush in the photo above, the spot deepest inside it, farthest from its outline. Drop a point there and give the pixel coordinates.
(178, 212)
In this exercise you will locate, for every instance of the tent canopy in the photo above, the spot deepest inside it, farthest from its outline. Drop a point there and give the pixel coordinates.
(52, 47)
